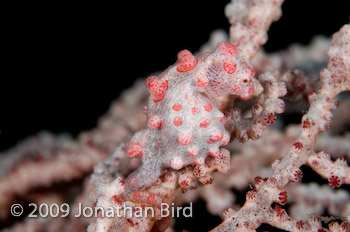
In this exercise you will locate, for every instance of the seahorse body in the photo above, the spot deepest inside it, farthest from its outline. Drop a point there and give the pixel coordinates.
(184, 123)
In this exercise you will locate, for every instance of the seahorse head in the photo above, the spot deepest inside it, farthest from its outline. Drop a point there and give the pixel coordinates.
(222, 73)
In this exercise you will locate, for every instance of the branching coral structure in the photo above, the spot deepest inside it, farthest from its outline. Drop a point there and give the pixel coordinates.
(207, 130)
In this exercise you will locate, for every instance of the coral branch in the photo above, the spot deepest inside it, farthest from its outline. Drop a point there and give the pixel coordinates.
(250, 21)
(184, 149)
(267, 105)
(335, 79)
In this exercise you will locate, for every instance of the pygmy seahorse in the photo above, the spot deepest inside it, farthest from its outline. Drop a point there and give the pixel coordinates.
(184, 123)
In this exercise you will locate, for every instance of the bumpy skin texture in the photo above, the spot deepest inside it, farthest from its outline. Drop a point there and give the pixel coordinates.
(184, 122)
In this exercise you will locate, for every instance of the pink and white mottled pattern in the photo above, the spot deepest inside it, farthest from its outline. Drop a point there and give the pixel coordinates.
(184, 122)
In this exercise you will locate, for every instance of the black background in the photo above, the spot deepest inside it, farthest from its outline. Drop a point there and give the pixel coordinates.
(65, 63)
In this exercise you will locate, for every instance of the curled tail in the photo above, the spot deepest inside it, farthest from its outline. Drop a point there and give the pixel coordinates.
(145, 175)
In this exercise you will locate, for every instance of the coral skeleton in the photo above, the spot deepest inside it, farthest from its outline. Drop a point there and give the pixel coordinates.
(201, 128)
